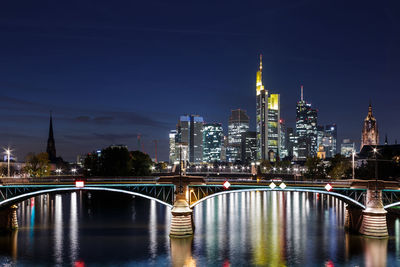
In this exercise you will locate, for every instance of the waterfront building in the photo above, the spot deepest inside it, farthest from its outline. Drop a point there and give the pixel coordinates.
(212, 142)
(172, 146)
(51, 145)
(306, 129)
(249, 147)
(190, 131)
(347, 147)
(238, 124)
(370, 133)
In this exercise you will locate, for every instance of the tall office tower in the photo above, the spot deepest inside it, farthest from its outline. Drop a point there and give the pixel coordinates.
(262, 116)
(249, 147)
(238, 124)
(274, 127)
(291, 143)
(320, 134)
(370, 133)
(306, 129)
(212, 142)
(224, 145)
(172, 146)
(331, 134)
(283, 140)
(347, 148)
(190, 131)
(51, 145)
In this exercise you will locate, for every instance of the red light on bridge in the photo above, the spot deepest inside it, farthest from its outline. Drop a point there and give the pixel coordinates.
(79, 184)
(328, 187)
(227, 184)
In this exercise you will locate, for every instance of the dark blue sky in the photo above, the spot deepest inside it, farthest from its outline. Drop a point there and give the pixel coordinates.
(111, 69)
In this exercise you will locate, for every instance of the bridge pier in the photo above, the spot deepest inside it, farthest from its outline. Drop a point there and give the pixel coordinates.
(374, 216)
(8, 218)
(182, 218)
(353, 218)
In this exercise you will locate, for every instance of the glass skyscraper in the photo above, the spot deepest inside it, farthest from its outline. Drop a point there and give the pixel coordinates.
(190, 131)
(212, 142)
(238, 124)
(172, 146)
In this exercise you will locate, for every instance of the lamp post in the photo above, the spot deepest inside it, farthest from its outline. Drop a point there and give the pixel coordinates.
(353, 154)
(8, 152)
(376, 172)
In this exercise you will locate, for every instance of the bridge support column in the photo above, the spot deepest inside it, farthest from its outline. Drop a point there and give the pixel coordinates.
(182, 218)
(353, 218)
(374, 216)
(8, 218)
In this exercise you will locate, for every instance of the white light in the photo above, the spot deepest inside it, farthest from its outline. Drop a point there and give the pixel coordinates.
(272, 185)
(282, 186)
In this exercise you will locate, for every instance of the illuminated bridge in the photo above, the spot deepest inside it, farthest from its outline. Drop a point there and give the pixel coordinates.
(366, 201)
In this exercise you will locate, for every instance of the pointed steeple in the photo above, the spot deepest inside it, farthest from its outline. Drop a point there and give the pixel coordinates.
(51, 146)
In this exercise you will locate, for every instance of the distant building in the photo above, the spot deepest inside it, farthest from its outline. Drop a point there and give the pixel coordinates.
(223, 148)
(238, 124)
(172, 146)
(249, 147)
(283, 152)
(51, 145)
(306, 129)
(347, 147)
(212, 142)
(268, 126)
(291, 143)
(370, 133)
(190, 131)
(321, 154)
(331, 132)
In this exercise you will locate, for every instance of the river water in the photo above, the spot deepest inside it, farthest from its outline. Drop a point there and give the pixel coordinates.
(239, 229)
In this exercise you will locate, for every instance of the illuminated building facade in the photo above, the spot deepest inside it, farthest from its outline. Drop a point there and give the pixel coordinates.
(331, 133)
(172, 146)
(190, 131)
(347, 147)
(306, 129)
(370, 134)
(238, 124)
(274, 127)
(249, 147)
(283, 152)
(267, 121)
(212, 142)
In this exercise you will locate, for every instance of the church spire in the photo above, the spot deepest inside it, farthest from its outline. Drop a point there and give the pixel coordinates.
(51, 146)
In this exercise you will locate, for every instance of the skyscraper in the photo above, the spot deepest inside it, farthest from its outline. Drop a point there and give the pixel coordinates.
(347, 148)
(249, 147)
(274, 127)
(284, 138)
(172, 146)
(262, 116)
(331, 134)
(212, 142)
(238, 124)
(306, 129)
(51, 145)
(370, 134)
(190, 131)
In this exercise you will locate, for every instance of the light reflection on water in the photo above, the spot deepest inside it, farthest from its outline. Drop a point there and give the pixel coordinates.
(249, 228)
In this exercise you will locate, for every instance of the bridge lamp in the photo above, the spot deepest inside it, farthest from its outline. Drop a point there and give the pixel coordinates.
(272, 185)
(169, 167)
(226, 184)
(258, 163)
(58, 171)
(288, 169)
(252, 164)
(274, 168)
(153, 168)
(8, 153)
(328, 187)
(73, 171)
(282, 185)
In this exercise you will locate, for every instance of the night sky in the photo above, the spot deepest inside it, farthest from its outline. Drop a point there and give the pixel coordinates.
(112, 69)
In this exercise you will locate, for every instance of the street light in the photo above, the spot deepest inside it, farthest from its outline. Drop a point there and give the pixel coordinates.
(58, 171)
(8, 153)
(73, 171)
(353, 154)
(376, 172)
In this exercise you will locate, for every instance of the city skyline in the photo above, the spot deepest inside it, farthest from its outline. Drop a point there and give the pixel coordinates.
(107, 79)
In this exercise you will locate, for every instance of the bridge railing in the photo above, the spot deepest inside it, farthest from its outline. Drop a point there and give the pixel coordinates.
(72, 179)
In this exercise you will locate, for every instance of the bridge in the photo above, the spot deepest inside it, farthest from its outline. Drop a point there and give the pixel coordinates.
(366, 201)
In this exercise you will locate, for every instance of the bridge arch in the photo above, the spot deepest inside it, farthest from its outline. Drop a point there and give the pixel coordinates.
(392, 205)
(25, 196)
(344, 198)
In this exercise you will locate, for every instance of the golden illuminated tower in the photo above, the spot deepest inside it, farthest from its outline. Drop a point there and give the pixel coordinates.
(370, 134)
(262, 116)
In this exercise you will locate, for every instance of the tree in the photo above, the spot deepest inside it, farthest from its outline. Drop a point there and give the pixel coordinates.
(37, 165)
(339, 168)
(141, 163)
(315, 168)
(115, 161)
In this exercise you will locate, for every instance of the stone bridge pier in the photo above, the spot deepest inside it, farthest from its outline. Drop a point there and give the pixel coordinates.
(8, 218)
(372, 220)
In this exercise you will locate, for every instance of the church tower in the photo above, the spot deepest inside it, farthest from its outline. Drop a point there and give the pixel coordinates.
(51, 145)
(370, 134)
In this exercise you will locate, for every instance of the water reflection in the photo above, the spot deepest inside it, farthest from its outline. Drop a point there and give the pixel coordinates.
(181, 252)
(58, 230)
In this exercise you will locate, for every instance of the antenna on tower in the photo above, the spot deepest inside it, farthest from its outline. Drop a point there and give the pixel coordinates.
(301, 98)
